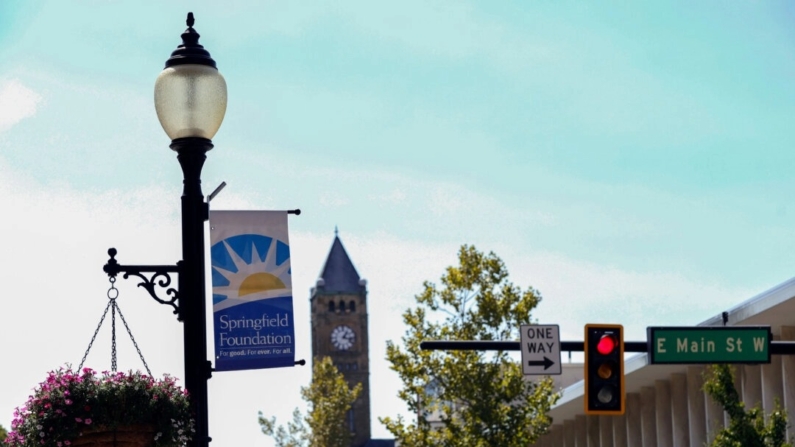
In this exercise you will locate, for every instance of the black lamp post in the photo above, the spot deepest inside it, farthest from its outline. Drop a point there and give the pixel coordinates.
(190, 99)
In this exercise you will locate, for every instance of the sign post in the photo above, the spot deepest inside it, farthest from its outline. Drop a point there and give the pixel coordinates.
(540, 346)
(709, 344)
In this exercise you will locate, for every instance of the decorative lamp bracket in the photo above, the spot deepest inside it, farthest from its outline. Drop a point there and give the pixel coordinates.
(151, 276)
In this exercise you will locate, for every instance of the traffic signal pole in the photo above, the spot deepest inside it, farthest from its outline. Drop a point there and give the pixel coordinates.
(604, 349)
(776, 347)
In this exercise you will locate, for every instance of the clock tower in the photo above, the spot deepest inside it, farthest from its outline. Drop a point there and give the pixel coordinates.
(338, 304)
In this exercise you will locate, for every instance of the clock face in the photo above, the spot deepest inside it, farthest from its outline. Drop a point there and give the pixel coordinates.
(342, 337)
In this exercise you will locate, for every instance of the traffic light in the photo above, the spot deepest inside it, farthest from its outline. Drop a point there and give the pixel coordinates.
(604, 369)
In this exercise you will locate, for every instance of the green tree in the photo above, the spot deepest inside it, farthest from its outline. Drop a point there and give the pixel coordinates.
(747, 428)
(481, 398)
(3, 433)
(329, 398)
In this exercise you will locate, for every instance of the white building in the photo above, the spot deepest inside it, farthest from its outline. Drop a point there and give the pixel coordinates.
(665, 404)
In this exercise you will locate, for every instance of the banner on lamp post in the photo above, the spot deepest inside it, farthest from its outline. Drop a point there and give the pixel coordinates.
(252, 290)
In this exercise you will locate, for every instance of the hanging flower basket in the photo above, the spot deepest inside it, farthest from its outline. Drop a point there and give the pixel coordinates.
(107, 410)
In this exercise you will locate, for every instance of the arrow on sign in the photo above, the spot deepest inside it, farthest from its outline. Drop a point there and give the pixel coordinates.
(546, 363)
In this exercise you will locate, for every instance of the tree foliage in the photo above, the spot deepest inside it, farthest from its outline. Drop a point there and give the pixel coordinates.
(747, 428)
(3, 433)
(329, 398)
(480, 398)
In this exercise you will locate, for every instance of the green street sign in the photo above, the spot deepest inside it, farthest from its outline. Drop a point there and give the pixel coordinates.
(709, 344)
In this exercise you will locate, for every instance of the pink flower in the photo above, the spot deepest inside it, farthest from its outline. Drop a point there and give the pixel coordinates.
(67, 442)
(68, 402)
(88, 421)
(78, 420)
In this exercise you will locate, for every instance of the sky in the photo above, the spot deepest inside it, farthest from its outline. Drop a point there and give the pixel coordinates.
(631, 161)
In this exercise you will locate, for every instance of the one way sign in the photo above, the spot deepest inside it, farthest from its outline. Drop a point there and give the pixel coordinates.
(540, 349)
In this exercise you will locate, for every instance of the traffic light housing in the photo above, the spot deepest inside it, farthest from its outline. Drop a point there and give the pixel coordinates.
(604, 369)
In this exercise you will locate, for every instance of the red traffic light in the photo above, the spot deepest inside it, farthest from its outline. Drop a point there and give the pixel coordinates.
(606, 344)
(604, 369)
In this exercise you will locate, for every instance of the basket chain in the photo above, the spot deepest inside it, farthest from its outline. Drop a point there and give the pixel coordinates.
(113, 305)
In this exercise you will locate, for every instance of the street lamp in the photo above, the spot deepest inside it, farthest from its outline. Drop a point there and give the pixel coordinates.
(190, 99)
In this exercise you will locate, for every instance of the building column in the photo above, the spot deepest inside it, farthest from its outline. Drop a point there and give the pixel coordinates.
(620, 430)
(772, 383)
(752, 385)
(715, 416)
(662, 392)
(788, 374)
(647, 416)
(606, 431)
(568, 433)
(739, 380)
(581, 437)
(681, 428)
(634, 430)
(555, 437)
(593, 430)
(696, 408)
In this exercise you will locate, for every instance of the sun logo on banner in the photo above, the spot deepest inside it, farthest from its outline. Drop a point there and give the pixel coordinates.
(249, 267)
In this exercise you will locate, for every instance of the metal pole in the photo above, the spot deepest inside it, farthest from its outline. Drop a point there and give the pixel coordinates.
(777, 347)
(195, 211)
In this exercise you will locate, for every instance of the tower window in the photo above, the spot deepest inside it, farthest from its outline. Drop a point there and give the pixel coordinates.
(349, 417)
(353, 306)
(342, 306)
(331, 306)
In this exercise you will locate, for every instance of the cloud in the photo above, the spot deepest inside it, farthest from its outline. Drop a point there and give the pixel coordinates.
(396, 196)
(333, 199)
(17, 102)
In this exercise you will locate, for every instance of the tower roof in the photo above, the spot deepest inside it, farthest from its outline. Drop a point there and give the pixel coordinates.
(339, 275)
